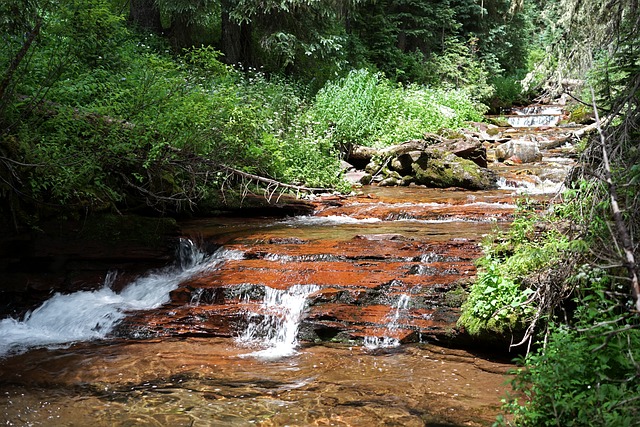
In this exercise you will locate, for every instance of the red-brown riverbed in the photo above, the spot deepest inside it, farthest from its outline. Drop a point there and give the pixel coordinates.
(361, 291)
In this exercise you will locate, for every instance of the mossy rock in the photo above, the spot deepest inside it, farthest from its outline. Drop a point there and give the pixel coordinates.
(456, 297)
(443, 170)
(499, 121)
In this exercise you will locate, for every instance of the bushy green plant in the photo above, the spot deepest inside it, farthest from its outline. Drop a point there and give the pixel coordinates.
(366, 108)
(587, 374)
(508, 92)
(498, 301)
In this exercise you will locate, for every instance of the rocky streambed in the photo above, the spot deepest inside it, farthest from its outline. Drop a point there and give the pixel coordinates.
(339, 316)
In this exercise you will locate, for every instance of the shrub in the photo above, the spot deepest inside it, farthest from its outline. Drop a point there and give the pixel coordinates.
(587, 373)
(498, 301)
(496, 304)
(366, 108)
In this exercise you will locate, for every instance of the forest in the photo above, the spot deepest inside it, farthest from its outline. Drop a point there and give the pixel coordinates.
(181, 108)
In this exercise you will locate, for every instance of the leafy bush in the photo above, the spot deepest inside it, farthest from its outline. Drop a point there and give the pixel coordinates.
(498, 301)
(587, 373)
(508, 92)
(496, 304)
(366, 108)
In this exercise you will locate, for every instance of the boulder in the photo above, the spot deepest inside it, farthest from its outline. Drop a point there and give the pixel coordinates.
(524, 151)
(466, 148)
(441, 169)
(402, 163)
(359, 155)
(405, 147)
(433, 161)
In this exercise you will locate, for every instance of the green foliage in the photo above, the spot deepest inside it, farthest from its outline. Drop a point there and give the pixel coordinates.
(120, 121)
(365, 108)
(459, 67)
(587, 373)
(496, 304)
(508, 92)
(498, 301)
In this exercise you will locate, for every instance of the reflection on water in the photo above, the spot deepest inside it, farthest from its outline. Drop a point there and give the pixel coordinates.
(205, 382)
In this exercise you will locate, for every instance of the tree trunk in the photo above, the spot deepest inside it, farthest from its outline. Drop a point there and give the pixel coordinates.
(236, 38)
(181, 33)
(15, 62)
(622, 232)
(145, 14)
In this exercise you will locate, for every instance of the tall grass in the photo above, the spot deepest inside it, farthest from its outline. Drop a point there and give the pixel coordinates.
(366, 108)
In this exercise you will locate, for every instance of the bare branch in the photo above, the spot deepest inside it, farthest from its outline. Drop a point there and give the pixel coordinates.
(621, 229)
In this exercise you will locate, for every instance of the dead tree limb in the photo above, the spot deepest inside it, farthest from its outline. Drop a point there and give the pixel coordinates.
(15, 62)
(621, 228)
(246, 176)
(270, 182)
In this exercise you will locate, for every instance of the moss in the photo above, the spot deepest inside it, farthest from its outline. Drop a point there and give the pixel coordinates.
(452, 134)
(580, 114)
(444, 170)
(456, 297)
(499, 121)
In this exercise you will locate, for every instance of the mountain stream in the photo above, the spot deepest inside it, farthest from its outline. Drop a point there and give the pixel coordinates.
(340, 318)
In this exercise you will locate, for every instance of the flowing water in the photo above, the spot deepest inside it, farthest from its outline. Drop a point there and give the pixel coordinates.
(332, 319)
(536, 116)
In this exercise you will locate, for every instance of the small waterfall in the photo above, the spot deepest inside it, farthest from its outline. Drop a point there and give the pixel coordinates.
(535, 116)
(539, 109)
(533, 121)
(393, 325)
(525, 187)
(88, 315)
(277, 328)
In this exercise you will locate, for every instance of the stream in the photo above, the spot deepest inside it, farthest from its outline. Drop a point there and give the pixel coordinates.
(341, 318)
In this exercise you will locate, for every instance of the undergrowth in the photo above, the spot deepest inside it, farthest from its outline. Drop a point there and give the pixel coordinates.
(587, 375)
(583, 367)
(500, 302)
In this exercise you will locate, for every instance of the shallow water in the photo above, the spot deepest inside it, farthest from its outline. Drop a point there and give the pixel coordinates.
(206, 382)
(222, 380)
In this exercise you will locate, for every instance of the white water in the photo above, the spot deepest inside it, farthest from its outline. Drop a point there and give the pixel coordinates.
(89, 315)
(277, 329)
(329, 220)
(533, 121)
(524, 187)
(393, 325)
(539, 109)
(536, 115)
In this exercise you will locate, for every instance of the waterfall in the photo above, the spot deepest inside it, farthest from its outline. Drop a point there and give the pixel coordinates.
(533, 121)
(276, 326)
(525, 187)
(393, 325)
(88, 315)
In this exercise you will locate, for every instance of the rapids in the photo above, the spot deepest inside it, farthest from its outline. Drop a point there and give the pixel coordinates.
(333, 319)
